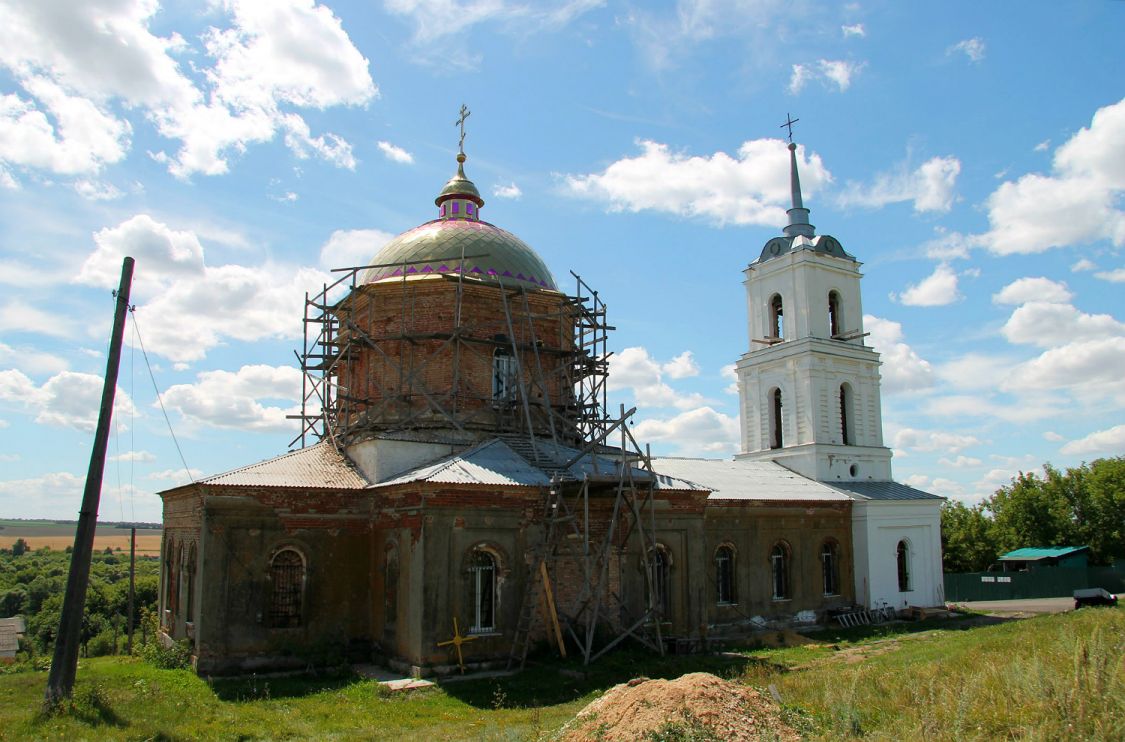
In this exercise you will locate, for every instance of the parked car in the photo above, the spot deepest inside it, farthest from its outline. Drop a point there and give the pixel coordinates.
(1093, 596)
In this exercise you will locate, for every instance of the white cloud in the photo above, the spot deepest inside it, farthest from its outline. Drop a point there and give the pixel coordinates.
(1043, 146)
(94, 190)
(395, 154)
(351, 247)
(1117, 275)
(993, 480)
(948, 246)
(68, 399)
(21, 317)
(903, 370)
(133, 456)
(682, 366)
(750, 189)
(42, 496)
(239, 399)
(634, 369)
(436, 19)
(934, 440)
(1049, 325)
(30, 360)
(936, 290)
(1111, 441)
(1052, 436)
(186, 307)
(856, 29)
(1022, 411)
(1076, 204)
(930, 186)
(1024, 290)
(973, 48)
(1083, 264)
(961, 462)
(1090, 369)
(511, 191)
(697, 432)
(830, 72)
(176, 477)
(78, 66)
(976, 371)
(730, 373)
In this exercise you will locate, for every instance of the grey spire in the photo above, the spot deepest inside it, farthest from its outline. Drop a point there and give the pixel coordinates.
(798, 215)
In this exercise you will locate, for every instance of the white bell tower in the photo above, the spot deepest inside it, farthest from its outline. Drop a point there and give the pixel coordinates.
(809, 387)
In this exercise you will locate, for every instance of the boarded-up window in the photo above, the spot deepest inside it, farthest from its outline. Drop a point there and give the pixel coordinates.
(505, 376)
(287, 584)
(660, 599)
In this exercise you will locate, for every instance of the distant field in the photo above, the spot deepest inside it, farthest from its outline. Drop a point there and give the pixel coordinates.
(58, 536)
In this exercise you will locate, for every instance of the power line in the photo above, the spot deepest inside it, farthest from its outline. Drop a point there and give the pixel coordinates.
(159, 398)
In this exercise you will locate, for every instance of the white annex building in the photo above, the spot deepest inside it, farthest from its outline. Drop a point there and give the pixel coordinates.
(809, 401)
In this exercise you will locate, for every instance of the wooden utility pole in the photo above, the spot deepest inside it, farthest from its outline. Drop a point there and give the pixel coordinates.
(132, 583)
(64, 665)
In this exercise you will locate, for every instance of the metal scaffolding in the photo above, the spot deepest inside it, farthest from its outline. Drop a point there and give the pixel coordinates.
(588, 526)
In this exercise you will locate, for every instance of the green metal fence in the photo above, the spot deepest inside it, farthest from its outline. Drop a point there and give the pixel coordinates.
(1040, 583)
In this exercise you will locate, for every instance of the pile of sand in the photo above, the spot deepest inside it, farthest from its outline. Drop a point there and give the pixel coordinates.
(633, 710)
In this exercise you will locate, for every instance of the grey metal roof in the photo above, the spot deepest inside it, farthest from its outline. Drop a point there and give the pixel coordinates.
(316, 466)
(884, 491)
(735, 479)
(498, 462)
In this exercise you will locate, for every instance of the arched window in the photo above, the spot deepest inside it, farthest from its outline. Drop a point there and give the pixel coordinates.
(169, 576)
(189, 587)
(287, 587)
(847, 424)
(482, 576)
(660, 562)
(902, 556)
(776, 438)
(835, 323)
(830, 567)
(177, 576)
(724, 575)
(505, 376)
(779, 571)
(777, 317)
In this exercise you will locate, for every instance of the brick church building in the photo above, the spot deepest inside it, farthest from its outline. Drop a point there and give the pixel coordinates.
(460, 490)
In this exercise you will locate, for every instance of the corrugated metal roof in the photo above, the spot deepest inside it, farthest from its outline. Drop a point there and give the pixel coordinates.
(734, 479)
(497, 462)
(316, 466)
(1032, 553)
(884, 491)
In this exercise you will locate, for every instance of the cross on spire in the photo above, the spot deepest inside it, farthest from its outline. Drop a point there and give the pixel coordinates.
(789, 121)
(465, 113)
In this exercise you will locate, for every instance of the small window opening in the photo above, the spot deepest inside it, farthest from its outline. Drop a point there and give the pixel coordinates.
(505, 376)
(777, 317)
(189, 572)
(724, 575)
(287, 582)
(779, 571)
(830, 568)
(482, 573)
(660, 597)
(847, 425)
(903, 558)
(834, 323)
(776, 438)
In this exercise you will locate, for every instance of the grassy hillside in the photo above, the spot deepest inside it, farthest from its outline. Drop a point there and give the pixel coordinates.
(1054, 677)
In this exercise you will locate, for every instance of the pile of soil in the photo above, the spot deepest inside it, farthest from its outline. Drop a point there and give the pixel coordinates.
(699, 700)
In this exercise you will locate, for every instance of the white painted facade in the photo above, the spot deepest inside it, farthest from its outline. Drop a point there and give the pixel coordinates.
(809, 394)
(877, 529)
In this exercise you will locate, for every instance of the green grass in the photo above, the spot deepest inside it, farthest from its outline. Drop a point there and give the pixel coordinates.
(1054, 677)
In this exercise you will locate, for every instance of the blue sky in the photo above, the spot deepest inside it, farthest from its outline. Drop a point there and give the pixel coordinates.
(971, 155)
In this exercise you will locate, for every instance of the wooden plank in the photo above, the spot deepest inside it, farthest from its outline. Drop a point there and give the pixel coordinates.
(551, 611)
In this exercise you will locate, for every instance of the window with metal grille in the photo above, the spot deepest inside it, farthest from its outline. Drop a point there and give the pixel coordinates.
(903, 557)
(482, 574)
(779, 571)
(287, 582)
(724, 575)
(661, 598)
(830, 567)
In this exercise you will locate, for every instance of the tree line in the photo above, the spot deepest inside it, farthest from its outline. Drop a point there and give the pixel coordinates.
(1082, 506)
(32, 583)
